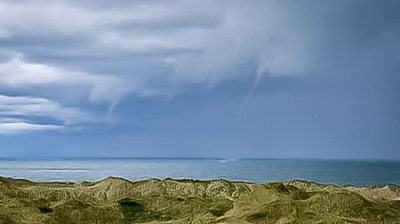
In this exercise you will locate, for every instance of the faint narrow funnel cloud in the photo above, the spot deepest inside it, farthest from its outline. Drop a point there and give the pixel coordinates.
(261, 70)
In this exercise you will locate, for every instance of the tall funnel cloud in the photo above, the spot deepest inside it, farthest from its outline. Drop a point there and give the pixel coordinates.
(261, 70)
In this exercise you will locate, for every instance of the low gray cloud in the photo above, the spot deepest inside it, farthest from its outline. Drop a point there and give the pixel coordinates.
(17, 127)
(17, 106)
(19, 114)
(20, 74)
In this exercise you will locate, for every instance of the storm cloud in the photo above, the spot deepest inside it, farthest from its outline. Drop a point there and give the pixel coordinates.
(202, 78)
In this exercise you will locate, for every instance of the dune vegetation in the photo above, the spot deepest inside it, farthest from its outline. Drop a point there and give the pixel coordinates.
(116, 200)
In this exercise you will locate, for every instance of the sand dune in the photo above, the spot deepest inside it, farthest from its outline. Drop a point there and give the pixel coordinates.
(116, 200)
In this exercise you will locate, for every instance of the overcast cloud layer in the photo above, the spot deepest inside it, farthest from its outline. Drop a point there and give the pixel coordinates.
(200, 78)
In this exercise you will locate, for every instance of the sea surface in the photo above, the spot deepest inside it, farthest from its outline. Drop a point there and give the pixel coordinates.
(346, 172)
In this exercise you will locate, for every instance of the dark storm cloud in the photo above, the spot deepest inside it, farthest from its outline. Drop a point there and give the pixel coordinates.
(309, 78)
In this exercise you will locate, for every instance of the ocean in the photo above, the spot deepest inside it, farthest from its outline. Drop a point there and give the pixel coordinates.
(346, 172)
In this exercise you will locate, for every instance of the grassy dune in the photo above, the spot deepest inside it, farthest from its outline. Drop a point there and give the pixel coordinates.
(116, 200)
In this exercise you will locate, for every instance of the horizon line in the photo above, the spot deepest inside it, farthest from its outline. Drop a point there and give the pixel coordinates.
(189, 158)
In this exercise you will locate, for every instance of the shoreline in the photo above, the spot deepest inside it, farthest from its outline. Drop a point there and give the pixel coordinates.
(119, 200)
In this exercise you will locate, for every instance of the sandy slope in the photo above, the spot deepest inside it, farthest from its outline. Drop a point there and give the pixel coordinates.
(115, 200)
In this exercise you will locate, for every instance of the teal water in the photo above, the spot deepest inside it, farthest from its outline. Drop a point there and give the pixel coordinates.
(257, 170)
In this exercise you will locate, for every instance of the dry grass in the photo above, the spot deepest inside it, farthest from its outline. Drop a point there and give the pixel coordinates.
(115, 200)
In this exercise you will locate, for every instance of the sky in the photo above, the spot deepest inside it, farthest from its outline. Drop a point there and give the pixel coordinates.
(229, 79)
